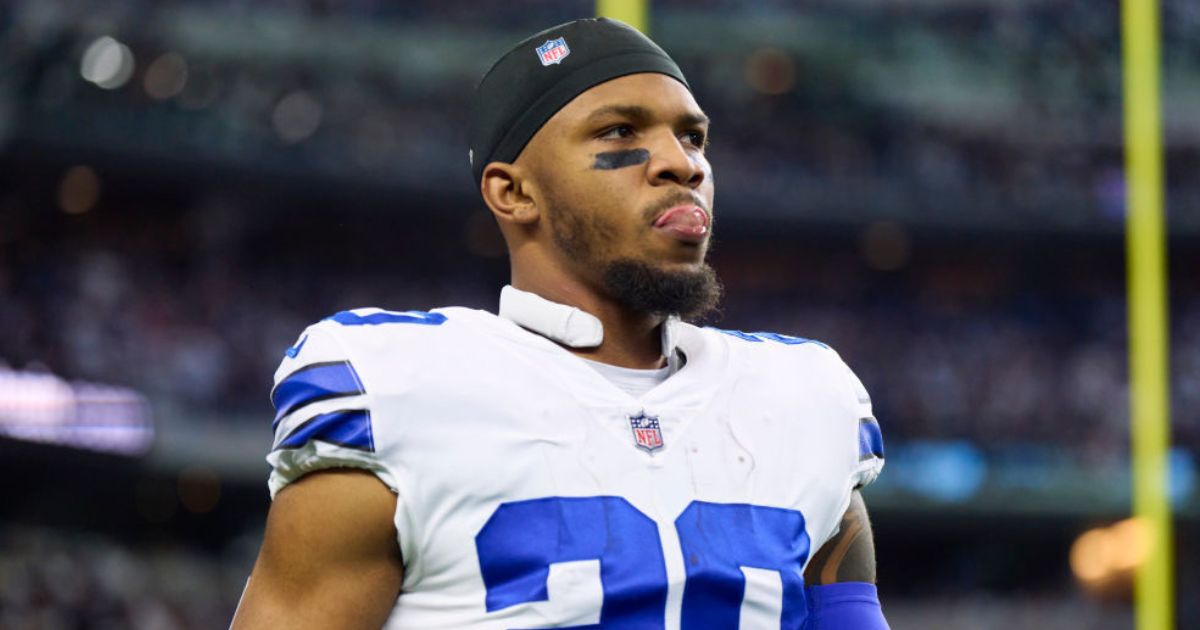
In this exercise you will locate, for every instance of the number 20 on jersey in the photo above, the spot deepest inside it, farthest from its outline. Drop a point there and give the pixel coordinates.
(522, 539)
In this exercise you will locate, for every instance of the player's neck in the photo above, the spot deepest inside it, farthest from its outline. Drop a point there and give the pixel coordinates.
(632, 340)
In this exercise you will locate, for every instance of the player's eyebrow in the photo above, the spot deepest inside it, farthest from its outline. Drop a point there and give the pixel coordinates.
(637, 113)
(692, 119)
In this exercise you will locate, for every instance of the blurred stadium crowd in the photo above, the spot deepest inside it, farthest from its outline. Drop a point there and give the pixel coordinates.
(933, 187)
(971, 348)
(51, 580)
(1016, 123)
(961, 113)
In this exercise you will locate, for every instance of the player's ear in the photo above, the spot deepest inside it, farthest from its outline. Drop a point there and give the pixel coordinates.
(508, 192)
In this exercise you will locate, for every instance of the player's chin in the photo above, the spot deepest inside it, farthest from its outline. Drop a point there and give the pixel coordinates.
(683, 271)
(670, 254)
(684, 255)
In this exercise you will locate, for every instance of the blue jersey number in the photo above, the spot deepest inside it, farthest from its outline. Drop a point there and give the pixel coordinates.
(522, 539)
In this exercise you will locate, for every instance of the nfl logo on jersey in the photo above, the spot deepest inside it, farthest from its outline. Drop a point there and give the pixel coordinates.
(553, 51)
(646, 433)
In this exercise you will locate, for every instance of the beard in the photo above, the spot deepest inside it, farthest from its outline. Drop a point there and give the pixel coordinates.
(638, 285)
(644, 288)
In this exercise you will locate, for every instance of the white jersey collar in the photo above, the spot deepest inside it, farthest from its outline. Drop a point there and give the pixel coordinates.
(568, 325)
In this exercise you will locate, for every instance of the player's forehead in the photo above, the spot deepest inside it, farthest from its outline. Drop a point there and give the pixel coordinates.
(646, 95)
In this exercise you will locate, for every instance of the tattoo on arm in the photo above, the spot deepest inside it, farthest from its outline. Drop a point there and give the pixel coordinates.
(850, 555)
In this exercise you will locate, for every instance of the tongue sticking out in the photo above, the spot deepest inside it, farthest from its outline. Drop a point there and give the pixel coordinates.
(685, 222)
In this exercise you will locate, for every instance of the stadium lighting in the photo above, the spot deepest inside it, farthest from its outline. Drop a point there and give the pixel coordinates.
(199, 489)
(38, 406)
(1104, 559)
(885, 245)
(79, 190)
(166, 76)
(107, 63)
(770, 71)
(296, 117)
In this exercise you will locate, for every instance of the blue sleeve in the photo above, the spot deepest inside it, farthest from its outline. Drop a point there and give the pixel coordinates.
(844, 606)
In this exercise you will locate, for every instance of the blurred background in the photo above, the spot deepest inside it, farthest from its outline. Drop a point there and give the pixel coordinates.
(933, 187)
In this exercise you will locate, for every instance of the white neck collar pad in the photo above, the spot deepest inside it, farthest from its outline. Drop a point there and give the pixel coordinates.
(568, 325)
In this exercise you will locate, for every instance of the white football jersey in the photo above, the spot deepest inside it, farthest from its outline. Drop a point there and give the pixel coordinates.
(534, 493)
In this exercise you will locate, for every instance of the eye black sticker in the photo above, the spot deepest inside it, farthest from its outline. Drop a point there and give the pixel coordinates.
(620, 159)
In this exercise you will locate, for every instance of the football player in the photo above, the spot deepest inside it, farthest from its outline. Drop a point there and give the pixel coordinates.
(585, 458)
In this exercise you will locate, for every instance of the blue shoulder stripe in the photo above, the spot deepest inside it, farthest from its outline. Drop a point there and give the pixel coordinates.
(350, 318)
(350, 428)
(870, 439)
(744, 336)
(759, 337)
(788, 339)
(311, 383)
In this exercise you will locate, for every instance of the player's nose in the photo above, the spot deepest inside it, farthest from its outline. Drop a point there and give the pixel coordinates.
(673, 163)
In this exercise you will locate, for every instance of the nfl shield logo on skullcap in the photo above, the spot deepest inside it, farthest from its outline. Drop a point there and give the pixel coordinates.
(553, 51)
(646, 433)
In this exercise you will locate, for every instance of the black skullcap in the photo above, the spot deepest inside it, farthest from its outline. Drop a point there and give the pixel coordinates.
(534, 80)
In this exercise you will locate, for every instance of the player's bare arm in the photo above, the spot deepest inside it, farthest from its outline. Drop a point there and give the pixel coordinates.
(329, 558)
(850, 555)
(841, 577)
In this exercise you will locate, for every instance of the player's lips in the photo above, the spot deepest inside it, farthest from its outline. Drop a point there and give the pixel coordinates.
(687, 223)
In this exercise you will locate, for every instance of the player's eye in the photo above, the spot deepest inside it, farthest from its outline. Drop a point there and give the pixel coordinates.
(696, 138)
(617, 132)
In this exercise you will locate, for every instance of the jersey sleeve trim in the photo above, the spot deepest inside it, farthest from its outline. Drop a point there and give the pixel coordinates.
(289, 465)
(313, 383)
(870, 439)
(350, 428)
(323, 413)
(868, 451)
